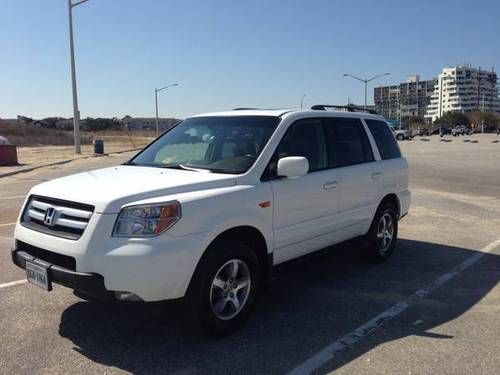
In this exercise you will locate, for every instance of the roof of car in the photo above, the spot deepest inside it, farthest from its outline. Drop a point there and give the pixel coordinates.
(248, 112)
(289, 111)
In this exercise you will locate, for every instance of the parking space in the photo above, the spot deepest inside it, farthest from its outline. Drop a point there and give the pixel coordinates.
(318, 315)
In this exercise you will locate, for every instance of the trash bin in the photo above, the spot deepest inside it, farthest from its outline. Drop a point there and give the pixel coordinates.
(8, 155)
(99, 146)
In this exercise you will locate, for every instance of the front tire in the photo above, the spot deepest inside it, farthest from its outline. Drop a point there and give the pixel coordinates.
(225, 287)
(400, 137)
(383, 234)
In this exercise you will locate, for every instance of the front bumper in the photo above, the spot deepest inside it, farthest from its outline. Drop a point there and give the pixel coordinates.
(89, 284)
(153, 269)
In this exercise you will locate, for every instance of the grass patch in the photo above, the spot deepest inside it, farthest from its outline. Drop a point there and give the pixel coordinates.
(28, 135)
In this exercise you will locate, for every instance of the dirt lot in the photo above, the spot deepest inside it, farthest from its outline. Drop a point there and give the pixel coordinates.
(41, 155)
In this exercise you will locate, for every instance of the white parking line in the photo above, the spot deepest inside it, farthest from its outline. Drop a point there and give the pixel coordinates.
(14, 197)
(7, 224)
(329, 352)
(13, 283)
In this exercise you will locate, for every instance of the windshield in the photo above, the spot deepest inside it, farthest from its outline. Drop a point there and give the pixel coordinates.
(216, 144)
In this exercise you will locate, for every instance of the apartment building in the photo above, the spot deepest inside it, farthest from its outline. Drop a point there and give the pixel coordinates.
(464, 89)
(409, 98)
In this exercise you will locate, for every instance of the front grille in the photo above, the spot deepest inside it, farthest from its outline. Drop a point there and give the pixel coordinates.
(47, 256)
(57, 217)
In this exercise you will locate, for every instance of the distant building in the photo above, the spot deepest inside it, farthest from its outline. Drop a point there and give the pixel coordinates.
(370, 107)
(138, 123)
(409, 98)
(464, 89)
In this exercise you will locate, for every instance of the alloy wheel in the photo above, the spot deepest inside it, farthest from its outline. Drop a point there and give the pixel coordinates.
(230, 289)
(385, 232)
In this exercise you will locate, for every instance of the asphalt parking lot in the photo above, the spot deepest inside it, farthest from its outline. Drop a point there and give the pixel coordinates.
(434, 307)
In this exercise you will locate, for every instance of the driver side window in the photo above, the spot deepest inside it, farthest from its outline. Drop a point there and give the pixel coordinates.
(303, 138)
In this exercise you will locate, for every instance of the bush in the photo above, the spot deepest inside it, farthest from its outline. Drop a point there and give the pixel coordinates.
(29, 135)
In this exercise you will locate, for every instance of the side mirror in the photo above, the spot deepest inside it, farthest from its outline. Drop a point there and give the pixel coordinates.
(293, 166)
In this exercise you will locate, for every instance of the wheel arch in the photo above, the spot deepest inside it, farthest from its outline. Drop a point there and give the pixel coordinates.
(249, 235)
(394, 200)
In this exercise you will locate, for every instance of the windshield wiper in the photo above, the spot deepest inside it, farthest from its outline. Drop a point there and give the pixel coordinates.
(184, 167)
(224, 171)
(194, 169)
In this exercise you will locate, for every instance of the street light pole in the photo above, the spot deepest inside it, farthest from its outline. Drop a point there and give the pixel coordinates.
(76, 112)
(482, 116)
(156, 105)
(365, 81)
(302, 101)
(366, 92)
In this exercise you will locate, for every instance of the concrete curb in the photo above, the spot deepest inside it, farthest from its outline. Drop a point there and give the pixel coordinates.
(60, 162)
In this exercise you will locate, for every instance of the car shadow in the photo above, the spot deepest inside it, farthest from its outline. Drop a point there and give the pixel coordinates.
(311, 303)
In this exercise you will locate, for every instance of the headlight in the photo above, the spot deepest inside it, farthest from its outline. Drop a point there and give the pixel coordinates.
(147, 220)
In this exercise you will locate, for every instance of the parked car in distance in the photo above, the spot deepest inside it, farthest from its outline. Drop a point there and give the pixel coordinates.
(419, 132)
(433, 131)
(460, 130)
(444, 130)
(402, 134)
(206, 210)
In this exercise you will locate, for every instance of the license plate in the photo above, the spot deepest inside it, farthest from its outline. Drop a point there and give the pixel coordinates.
(37, 275)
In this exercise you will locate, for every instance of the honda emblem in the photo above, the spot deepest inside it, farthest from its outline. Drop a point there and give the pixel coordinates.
(50, 216)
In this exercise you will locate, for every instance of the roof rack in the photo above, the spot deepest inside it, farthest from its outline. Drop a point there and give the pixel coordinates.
(283, 110)
(347, 108)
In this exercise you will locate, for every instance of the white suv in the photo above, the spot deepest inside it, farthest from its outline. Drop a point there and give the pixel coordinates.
(207, 209)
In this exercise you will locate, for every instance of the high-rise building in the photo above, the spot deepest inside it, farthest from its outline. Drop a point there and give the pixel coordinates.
(409, 98)
(464, 89)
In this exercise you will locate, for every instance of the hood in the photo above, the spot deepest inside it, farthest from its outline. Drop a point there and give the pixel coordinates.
(109, 189)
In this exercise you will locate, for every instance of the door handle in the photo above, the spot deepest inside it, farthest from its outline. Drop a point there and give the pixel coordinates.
(376, 175)
(330, 185)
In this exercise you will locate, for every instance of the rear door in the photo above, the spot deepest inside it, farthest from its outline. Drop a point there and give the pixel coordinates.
(351, 154)
(305, 208)
(393, 166)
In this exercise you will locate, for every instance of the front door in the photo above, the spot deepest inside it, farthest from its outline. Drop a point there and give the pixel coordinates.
(305, 208)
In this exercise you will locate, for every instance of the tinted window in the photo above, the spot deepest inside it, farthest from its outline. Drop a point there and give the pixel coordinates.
(303, 138)
(347, 142)
(384, 138)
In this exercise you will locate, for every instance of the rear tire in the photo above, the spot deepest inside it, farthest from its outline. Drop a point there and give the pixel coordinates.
(225, 287)
(400, 137)
(383, 234)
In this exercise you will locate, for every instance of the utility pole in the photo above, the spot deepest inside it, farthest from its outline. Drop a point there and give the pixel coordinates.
(482, 117)
(400, 115)
(76, 112)
(302, 101)
(156, 105)
(478, 86)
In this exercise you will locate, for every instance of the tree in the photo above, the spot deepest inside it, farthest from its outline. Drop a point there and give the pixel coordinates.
(94, 124)
(453, 119)
(491, 120)
(413, 122)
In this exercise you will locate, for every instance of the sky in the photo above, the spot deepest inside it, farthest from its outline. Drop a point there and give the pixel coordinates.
(226, 54)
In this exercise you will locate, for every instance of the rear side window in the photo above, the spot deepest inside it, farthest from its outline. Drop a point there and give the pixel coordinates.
(347, 142)
(384, 138)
